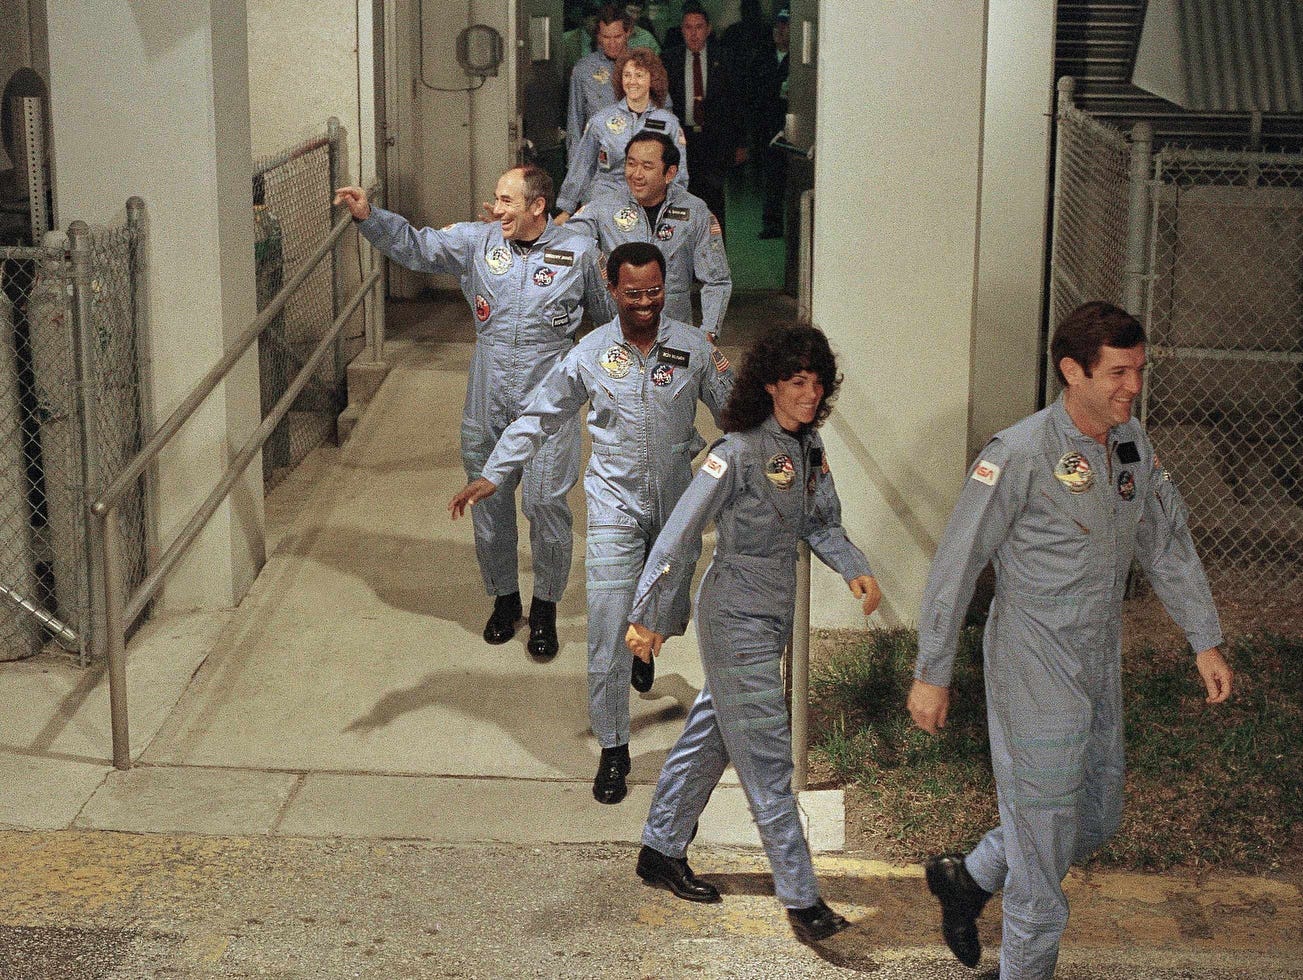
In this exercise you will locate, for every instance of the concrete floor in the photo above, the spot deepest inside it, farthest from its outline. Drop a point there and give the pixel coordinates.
(340, 779)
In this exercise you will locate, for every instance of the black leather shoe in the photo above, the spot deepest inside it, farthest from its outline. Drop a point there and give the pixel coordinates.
(542, 629)
(644, 675)
(609, 785)
(501, 626)
(816, 922)
(657, 869)
(962, 900)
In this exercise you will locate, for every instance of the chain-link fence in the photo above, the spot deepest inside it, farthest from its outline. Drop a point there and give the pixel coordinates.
(66, 428)
(1224, 399)
(1207, 248)
(1090, 213)
(292, 191)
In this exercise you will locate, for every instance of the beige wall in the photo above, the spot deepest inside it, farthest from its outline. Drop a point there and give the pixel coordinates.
(1015, 195)
(897, 177)
(150, 97)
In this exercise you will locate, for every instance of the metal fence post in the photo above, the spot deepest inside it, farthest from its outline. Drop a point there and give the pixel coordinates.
(333, 129)
(801, 672)
(1135, 271)
(144, 365)
(109, 533)
(87, 408)
(376, 301)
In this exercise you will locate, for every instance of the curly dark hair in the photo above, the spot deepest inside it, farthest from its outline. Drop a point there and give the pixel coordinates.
(775, 357)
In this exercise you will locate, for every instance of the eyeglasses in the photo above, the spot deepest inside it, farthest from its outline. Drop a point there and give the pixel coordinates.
(651, 292)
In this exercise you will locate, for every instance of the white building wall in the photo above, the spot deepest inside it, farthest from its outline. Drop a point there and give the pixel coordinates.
(158, 105)
(897, 170)
(1015, 196)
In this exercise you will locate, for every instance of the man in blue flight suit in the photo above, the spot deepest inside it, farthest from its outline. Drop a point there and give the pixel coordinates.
(1060, 502)
(527, 282)
(659, 211)
(590, 80)
(641, 376)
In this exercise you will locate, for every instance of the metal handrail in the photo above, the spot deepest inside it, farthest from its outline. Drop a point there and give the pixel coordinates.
(121, 611)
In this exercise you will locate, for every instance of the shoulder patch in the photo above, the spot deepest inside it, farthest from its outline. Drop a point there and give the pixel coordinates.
(986, 472)
(715, 466)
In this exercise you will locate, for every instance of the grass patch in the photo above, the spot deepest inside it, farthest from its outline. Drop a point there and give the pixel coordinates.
(1207, 786)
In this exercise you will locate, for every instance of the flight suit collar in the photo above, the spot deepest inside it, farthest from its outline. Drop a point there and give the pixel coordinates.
(771, 425)
(1063, 421)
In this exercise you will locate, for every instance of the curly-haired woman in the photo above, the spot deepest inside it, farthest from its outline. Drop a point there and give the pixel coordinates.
(597, 164)
(767, 486)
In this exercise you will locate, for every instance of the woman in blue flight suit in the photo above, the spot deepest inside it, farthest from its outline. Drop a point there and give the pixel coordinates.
(767, 486)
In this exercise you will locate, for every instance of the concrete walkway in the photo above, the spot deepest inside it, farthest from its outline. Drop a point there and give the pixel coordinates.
(351, 693)
(340, 779)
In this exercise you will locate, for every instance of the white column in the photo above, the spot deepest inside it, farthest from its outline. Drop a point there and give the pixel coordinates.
(897, 176)
(1015, 196)
(153, 99)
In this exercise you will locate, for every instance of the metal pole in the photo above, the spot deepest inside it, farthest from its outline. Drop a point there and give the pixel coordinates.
(801, 671)
(376, 301)
(805, 259)
(144, 367)
(1065, 88)
(333, 154)
(87, 408)
(1134, 271)
(111, 557)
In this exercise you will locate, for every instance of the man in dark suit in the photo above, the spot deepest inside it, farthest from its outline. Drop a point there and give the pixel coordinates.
(709, 104)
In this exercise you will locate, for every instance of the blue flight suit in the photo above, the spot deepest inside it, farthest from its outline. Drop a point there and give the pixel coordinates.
(591, 88)
(642, 414)
(688, 236)
(597, 163)
(528, 303)
(766, 489)
(1061, 517)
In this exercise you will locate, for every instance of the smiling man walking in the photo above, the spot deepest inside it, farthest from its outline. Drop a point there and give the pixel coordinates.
(1060, 503)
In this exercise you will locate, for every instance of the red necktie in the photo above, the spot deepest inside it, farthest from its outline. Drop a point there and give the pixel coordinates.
(698, 89)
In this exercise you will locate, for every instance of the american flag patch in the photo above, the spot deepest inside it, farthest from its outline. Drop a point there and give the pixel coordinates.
(719, 360)
(715, 229)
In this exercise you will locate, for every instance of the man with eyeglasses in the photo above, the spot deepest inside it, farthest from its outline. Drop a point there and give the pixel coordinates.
(641, 376)
(680, 224)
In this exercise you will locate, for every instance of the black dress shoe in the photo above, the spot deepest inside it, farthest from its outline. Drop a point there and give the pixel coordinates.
(656, 868)
(962, 900)
(501, 626)
(644, 675)
(815, 923)
(609, 785)
(542, 629)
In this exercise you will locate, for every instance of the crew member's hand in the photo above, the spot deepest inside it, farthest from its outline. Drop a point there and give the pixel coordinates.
(354, 198)
(1216, 674)
(486, 212)
(642, 642)
(865, 588)
(928, 705)
(561, 218)
(471, 494)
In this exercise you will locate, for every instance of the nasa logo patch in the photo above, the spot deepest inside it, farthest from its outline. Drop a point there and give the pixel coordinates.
(544, 276)
(662, 374)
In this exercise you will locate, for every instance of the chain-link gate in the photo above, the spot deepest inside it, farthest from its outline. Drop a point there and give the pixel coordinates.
(1207, 249)
(1224, 398)
(66, 428)
(292, 192)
